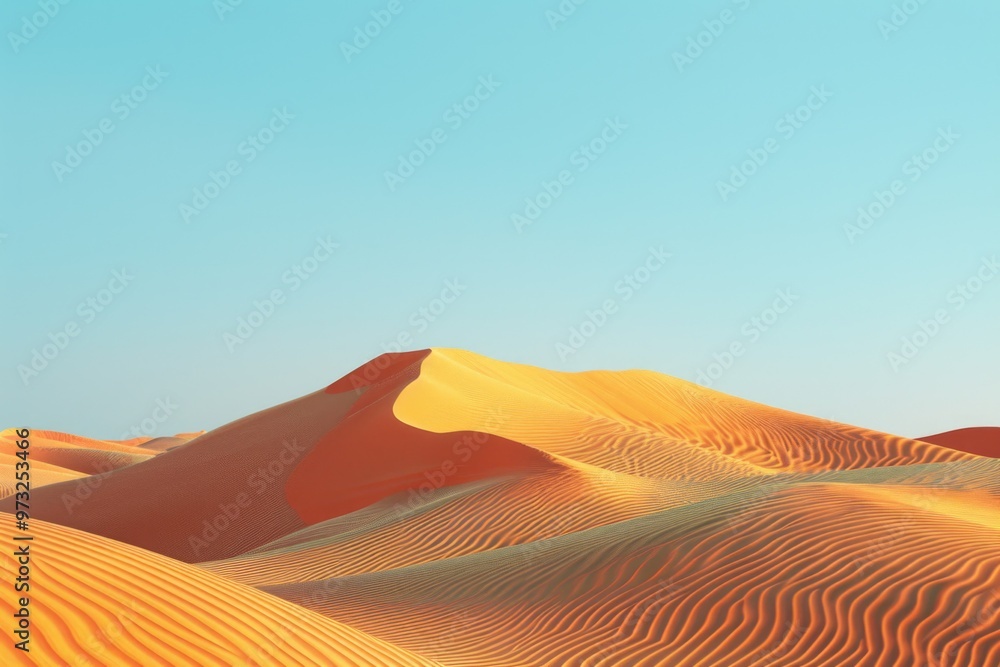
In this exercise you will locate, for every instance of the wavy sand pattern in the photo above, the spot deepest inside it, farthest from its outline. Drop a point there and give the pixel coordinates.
(100, 602)
(440, 507)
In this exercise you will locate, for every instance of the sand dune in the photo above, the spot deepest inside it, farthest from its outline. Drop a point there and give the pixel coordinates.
(72, 452)
(474, 512)
(217, 496)
(808, 574)
(984, 441)
(42, 474)
(98, 602)
(412, 528)
(164, 443)
(634, 421)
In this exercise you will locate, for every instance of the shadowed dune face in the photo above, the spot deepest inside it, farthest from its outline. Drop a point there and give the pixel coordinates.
(380, 371)
(439, 505)
(216, 497)
(371, 455)
(983, 441)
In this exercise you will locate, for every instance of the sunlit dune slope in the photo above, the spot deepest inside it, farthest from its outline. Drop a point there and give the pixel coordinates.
(636, 421)
(791, 573)
(41, 474)
(429, 523)
(984, 441)
(99, 602)
(148, 442)
(54, 438)
(163, 444)
(74, 452)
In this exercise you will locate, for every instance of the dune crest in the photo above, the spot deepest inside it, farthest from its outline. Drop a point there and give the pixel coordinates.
(982, 441)
(440, 507)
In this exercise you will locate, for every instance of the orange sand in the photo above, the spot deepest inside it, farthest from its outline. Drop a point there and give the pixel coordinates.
(480, 513)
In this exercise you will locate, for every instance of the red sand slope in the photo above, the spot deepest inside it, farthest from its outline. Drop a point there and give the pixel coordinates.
(215, 497)
(984, 441)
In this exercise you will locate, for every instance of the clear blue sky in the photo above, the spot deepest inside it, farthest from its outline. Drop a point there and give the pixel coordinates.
(632, 127)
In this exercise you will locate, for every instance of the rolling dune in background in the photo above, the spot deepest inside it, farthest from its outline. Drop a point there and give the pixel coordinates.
(440, 507)
(984, 441)
(59, 457)
(72, 452)
(42, 473)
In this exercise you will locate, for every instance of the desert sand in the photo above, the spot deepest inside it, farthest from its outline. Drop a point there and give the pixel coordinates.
(441, 507)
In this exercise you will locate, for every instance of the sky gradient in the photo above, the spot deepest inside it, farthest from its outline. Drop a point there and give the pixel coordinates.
(645, 186)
